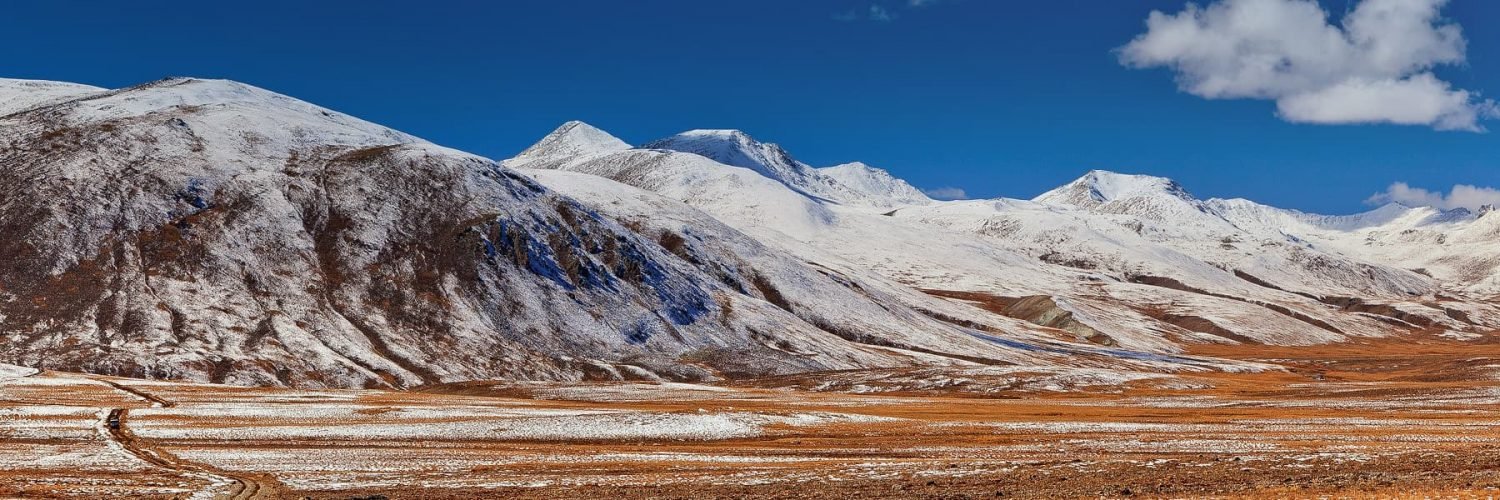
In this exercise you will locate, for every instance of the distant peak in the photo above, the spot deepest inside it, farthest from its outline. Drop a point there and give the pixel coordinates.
(875, 185)
(205, 82)
(579, 129)
(1104, 186)
(1112, 176)
(576, 125)
(737, 148)
(855, 165)
(1116, 185)
(574, 138)
(713, 140)
(852, 170)
(717, 134)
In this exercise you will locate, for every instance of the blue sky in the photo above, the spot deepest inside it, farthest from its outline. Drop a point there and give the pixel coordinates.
(999, 98)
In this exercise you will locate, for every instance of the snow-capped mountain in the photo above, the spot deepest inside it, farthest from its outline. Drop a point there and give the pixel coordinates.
(852, 184)
(20, 95)
(1099, 188)
(738, 149)
(875, 186)
(1456, 248)
(1126, 260)
(572, 141)
(214, 231)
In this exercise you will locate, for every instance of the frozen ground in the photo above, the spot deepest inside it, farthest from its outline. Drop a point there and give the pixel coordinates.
(1372, 420)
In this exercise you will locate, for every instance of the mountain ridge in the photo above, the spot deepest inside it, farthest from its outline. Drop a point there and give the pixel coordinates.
(1144, 238)
(210, 230)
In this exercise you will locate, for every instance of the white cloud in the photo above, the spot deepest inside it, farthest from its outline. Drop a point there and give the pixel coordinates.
(920, 3)
(1373, 67)
(946, 193)
(879, 14)
(1461, 196)
(1417, 100)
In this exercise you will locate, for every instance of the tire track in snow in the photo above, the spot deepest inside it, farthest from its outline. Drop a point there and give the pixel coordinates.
(114, 427)
(137, 393)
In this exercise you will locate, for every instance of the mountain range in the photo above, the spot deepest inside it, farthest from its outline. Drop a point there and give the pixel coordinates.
(209, 230)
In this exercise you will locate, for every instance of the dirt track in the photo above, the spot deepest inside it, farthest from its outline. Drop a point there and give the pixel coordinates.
(239, 486)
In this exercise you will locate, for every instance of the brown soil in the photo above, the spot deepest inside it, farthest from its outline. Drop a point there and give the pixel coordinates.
(1374, 419)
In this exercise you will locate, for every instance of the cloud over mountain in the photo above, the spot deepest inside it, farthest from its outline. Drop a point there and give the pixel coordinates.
(1374, 66)
(1461, 196)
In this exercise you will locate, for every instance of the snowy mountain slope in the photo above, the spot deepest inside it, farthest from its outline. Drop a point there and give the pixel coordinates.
(1108, 258)
(850, 240)
(882, 313)
(1161, 211)
(1099, 188)
(875, 186)
(772, 211)
(1456, 247)
(571, 142)
(847, 239)
(20, 95)
(212, 231)
(725, 191)
(1138, 228)
(820, 294)
(1123, 260)
(853, 184)
(738, 149)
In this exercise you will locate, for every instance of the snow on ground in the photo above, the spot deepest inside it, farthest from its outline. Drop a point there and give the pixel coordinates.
(21, 95)
(12, 371)
(1243, 281)
(47, 422)
(667, 391)
(877, 187)
(457, 424)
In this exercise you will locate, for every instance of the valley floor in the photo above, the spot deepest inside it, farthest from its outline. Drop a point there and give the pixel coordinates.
(1376, 420)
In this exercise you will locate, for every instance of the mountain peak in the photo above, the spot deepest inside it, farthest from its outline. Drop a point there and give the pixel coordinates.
(738, 149)
(224, 106)
(850, 183)
(572, 139)
(856, 166)
(721, 134)
(877, 185)
(1098, 187)
(580, 133)
(731, 147)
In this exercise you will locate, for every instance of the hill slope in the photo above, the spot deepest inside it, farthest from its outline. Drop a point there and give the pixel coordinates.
(1109, 259)
(213, 231)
